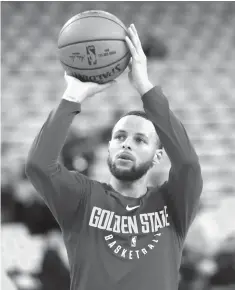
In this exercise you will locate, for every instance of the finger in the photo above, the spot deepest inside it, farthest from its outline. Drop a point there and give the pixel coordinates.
(109, 84)
(130, 77)
(136, 37)
(130, 64)
(133, 37)
(66, 76)
(131, 46)
(101, 87)
(134, 29)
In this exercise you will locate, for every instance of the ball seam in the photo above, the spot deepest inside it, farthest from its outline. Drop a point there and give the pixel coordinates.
(92, 17)
(92, 40)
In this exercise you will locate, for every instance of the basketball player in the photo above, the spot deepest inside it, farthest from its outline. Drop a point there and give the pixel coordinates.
(123, 235)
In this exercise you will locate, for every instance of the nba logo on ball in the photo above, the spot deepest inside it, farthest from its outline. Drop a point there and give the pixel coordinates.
(91, 55)
(92, 46)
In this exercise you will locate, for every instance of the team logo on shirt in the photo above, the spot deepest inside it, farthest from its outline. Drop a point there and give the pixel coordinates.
(133, 241)
(130, 237)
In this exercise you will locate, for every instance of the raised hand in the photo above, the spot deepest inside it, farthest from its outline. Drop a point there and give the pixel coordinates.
(138, 74)
(78, 91)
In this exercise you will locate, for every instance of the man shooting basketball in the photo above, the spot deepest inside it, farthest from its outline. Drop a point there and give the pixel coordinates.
(123, 235)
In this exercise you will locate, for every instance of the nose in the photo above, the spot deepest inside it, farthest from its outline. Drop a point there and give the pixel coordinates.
(126, 144)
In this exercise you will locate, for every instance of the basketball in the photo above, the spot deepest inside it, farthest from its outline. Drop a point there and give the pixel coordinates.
(92, 46)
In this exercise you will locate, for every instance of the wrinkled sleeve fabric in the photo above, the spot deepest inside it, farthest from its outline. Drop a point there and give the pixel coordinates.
(63, 191)
(184, 186)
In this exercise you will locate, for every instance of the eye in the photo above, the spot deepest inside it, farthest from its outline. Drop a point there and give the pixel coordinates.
(139, 140)
(120, 137)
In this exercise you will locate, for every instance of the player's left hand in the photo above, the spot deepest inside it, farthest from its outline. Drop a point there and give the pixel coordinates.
(138, 74)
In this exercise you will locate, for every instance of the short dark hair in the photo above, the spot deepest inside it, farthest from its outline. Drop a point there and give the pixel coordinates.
(143, 115)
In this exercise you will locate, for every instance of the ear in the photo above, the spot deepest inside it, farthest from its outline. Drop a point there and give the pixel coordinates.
(157, 156)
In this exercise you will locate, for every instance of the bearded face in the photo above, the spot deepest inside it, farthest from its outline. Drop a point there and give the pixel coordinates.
(128, 170)
(132, 148)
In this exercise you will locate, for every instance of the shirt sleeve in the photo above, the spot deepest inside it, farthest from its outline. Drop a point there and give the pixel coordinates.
(184, 186)
(63, 191)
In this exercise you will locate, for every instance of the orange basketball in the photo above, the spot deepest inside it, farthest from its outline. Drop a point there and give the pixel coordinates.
(92, 46)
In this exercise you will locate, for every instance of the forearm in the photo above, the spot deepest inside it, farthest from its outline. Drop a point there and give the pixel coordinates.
(170, 130)
(48, 144)
(144, 87)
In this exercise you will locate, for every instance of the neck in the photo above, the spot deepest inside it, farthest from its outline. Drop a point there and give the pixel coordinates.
(134, 189)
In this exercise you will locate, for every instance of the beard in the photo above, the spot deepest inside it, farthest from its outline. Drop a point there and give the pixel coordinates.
(132, 174)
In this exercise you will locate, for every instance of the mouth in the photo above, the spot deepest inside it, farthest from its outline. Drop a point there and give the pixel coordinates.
(126, 156)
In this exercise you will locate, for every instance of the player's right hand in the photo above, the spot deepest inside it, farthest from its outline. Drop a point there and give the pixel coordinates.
(78, 91)
(138, 74)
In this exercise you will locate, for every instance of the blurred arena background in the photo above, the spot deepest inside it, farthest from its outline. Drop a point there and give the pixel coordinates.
(191, 51)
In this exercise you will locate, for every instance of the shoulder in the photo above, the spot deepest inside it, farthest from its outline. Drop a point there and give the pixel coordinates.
(92, 185)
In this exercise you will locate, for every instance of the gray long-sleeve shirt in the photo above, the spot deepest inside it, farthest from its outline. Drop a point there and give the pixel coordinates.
(116, 242)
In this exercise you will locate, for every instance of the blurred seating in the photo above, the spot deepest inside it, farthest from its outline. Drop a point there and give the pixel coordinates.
(197, 75)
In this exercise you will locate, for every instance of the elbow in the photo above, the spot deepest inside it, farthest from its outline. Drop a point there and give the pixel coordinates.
(31, 162)
(187, 163)
(30, 168)
(195, 167)
(35, 162)
(33, 166)
(194, 163)
(199, 175)
(35, 171)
